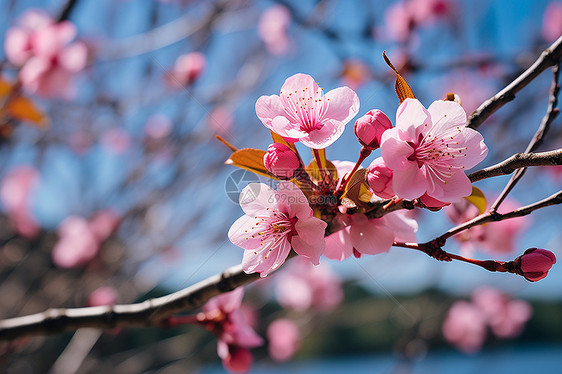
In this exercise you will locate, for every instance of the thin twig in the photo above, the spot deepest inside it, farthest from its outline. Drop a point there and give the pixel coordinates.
(550, 57)
(551, 113)
(67, 10)
(518, 161)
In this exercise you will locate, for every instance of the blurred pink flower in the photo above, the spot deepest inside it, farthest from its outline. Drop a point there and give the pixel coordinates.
(465, 327)
(428, 11)
(158, 126)
(187, 69)
(15, 193)
(369, 236)
(77, 243)
(116, 140)
(104, 223)
(272, 29)
(355, 73)
(429, 150)
(49, 61)
(505, 317)
(498, 238)
(222, 316)
(220, 120)
(302, 286)
(472, 89)
(303, 113)
(284, 339)
(552, 21)
(399, 21)
(102, 296)
(275, 221)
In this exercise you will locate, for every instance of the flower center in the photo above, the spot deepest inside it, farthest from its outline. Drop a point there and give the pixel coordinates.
(305, 107)
(274, 229)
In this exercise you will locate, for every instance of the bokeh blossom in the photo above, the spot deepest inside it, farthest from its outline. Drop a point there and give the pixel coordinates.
(275, 221)
(48, 58)
(430, 149)
(284, 339)
(303, 113)
(222, 315)
(273, 27)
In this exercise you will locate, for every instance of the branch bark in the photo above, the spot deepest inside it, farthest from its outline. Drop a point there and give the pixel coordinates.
(518, 161)
(550, 57)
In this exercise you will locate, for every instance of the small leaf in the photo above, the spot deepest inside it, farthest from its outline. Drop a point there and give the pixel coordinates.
(477, 199)
(314, 172)
(357, 189)
(250, 159)
(23, 109)
(402, 88)
(279, 139)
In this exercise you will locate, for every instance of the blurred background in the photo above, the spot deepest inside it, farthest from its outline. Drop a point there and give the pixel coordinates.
(114, 189)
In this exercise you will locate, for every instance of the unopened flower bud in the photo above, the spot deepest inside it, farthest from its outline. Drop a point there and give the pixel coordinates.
(379, 177)
(535, 263)
(370, 127)
(281, 161)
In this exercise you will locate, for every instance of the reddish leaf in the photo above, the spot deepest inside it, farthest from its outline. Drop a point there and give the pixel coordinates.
(402, 88)
(250, 159)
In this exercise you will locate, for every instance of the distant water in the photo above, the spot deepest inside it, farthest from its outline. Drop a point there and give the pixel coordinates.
(524, 360)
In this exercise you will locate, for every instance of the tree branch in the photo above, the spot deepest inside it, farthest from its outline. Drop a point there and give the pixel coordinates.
(152, 312)
(518, 161)
(551, 113)
(550, 57)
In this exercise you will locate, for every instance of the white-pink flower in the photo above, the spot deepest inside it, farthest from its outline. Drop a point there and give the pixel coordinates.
(272, 29)
(284, 339)
(303, 113)
(465, 327)
(274, 222)
(430, 149)
(369, 236)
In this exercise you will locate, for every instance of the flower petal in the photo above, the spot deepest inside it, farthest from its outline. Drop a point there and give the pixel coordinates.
(311, 230)
(411, 118)
(476, 149)
(269, 107)
(298, 82)
(403, 227)
(394, 151)
(456, 186)
(371, 237)
(446, 115)
(338, 245)
(291, 200)
(343, 105)
(306, 250)
(256, 198)
(267, 258)
(241, 231)
(409, 183)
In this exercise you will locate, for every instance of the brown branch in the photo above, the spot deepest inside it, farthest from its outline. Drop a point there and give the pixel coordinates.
(551, 113)
(152, 312)
(518, 161)
(550, 57)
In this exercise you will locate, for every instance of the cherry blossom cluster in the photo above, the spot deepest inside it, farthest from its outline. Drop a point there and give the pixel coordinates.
(424, 157)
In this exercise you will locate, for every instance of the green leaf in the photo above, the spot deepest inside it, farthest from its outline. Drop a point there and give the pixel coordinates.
(477, 199)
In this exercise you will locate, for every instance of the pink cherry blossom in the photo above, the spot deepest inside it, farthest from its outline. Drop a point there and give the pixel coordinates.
(284, 339)
(430, 149)
(465, 327)
(399, 21)
(272, 29)
(44, 50)
(552, 21)
(303, 113)
(222, 316)
(274, 222)
(15, 194)
(369, 236)
(187, 69)
(104, 223)
(498, 238)
(77, 243)
(302, 286)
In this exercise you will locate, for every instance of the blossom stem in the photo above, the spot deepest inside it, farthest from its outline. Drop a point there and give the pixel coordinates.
(362, 156)
(321, 165)
(174, 321)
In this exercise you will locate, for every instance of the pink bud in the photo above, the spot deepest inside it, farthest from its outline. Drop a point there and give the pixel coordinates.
(535, 263)
(370, 127)
(280, 160)
(379, 177)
